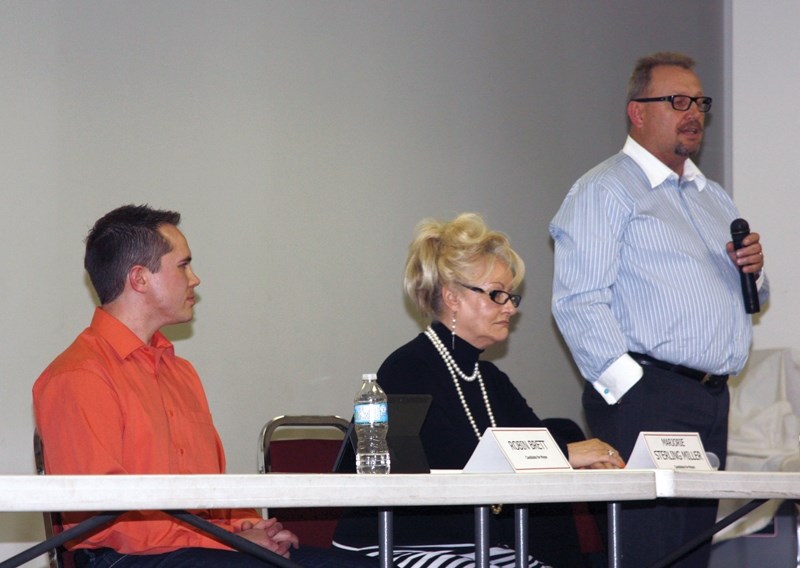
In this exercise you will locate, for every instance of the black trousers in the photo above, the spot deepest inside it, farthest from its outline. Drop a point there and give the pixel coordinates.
(307, 557)
(662, 401)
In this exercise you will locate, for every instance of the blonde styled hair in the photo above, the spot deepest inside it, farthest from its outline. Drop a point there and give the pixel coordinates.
(443, 253)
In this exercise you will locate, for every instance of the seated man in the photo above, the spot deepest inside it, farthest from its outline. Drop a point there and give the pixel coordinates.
(119, 401)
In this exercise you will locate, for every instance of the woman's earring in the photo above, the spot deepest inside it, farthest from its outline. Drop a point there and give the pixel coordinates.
(453, 332)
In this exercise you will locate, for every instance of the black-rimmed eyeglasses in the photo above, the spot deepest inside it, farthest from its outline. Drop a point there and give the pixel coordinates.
(680, 102)
(497, 296)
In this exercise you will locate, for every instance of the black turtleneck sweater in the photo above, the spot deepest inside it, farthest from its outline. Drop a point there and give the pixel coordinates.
(447, 436)
(449, 440)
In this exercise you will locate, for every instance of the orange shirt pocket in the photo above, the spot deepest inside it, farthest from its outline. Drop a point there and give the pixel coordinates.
(198, 448)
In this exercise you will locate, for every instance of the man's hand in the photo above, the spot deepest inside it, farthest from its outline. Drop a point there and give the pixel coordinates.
(750, 257)
(270, 534)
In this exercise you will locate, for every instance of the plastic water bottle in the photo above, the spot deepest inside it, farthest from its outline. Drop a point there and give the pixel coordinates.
(372, 423)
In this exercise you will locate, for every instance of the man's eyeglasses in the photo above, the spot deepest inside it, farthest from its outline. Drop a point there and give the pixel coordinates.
(680, 102)
(497, 296)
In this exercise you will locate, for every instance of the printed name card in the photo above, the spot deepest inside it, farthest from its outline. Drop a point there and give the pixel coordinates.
(505, 450)
(669, 450)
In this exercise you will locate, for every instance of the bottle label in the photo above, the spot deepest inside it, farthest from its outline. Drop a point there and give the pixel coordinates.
(373, 413)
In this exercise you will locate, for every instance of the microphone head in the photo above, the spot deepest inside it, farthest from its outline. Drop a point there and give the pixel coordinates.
(739, 227)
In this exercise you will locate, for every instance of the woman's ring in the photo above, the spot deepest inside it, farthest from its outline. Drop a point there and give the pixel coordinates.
(611, 452)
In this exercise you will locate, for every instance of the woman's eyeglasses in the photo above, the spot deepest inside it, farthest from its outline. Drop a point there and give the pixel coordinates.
(497, 296)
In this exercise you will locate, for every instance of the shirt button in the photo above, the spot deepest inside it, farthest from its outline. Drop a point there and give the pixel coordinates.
(606, 391)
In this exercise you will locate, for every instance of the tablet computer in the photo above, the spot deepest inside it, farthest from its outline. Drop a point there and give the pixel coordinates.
(407, 413)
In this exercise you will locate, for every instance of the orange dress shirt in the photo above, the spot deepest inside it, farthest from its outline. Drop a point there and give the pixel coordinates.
(110, 404)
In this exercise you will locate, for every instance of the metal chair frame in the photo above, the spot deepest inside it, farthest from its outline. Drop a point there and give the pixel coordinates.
(312, 422)
(54, 554)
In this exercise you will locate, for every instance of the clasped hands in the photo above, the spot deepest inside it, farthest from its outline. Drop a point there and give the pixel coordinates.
(269, 534)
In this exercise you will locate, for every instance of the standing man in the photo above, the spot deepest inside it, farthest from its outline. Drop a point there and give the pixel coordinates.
(647, 293)
(119, 401)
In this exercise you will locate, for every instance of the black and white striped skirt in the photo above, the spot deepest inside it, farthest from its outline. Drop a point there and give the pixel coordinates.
(447, 556)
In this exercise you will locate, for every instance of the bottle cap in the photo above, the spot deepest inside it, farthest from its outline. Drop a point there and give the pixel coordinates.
(369, 377)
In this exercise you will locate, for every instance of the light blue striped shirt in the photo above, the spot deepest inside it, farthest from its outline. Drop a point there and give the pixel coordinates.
(641, 265)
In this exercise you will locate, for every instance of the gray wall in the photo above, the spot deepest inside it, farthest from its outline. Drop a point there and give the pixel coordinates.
(764, 153)
(302, 141)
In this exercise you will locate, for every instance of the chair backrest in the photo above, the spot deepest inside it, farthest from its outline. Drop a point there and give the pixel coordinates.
(57, 557)
(319, 432)
(584, 515)
(305, 444)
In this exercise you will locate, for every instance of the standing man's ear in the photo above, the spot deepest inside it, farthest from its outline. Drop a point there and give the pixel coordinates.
(636, 114)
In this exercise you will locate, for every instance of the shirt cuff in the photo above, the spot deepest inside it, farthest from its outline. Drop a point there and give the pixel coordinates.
(618, 378)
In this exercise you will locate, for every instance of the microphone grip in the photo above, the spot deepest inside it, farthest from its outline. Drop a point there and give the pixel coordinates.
(749, 292)
(739, 230)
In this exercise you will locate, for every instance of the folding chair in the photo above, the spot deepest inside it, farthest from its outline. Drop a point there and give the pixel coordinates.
(58, 557)
(305, 444)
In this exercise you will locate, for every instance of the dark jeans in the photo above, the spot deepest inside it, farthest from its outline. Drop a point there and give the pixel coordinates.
(662, 401)
(211, 558)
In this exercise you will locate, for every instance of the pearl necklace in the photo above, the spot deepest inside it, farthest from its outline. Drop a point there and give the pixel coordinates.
(456, 372)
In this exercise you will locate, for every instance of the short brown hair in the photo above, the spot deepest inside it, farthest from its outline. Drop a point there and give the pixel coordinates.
(121, 239)
(643, 70)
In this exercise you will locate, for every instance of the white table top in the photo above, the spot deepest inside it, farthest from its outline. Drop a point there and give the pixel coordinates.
(126, 492)
(728, 484)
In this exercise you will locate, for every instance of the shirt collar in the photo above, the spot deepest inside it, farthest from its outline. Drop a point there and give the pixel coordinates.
(656, 171)
(120, 337)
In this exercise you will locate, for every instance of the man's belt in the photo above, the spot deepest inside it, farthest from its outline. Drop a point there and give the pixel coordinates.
(701, 377)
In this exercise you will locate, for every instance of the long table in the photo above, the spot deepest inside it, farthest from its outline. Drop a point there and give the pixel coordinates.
(33, 493)
(100, 492)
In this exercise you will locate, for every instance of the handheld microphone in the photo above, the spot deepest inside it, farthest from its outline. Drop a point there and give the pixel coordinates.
(739, 230)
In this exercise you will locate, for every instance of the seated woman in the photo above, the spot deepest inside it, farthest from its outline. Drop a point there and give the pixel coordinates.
(462, 276)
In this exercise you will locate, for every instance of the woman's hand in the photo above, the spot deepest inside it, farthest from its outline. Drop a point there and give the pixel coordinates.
(594, 454)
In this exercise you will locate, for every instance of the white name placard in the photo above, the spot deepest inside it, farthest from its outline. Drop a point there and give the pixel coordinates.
(502, 450)
(669, 450)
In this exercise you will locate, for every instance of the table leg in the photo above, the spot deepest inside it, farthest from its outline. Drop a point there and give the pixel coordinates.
(482, 536)
(522, 535)
(614, 552)
(709, 533)
(86, 527)
(386, 534)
